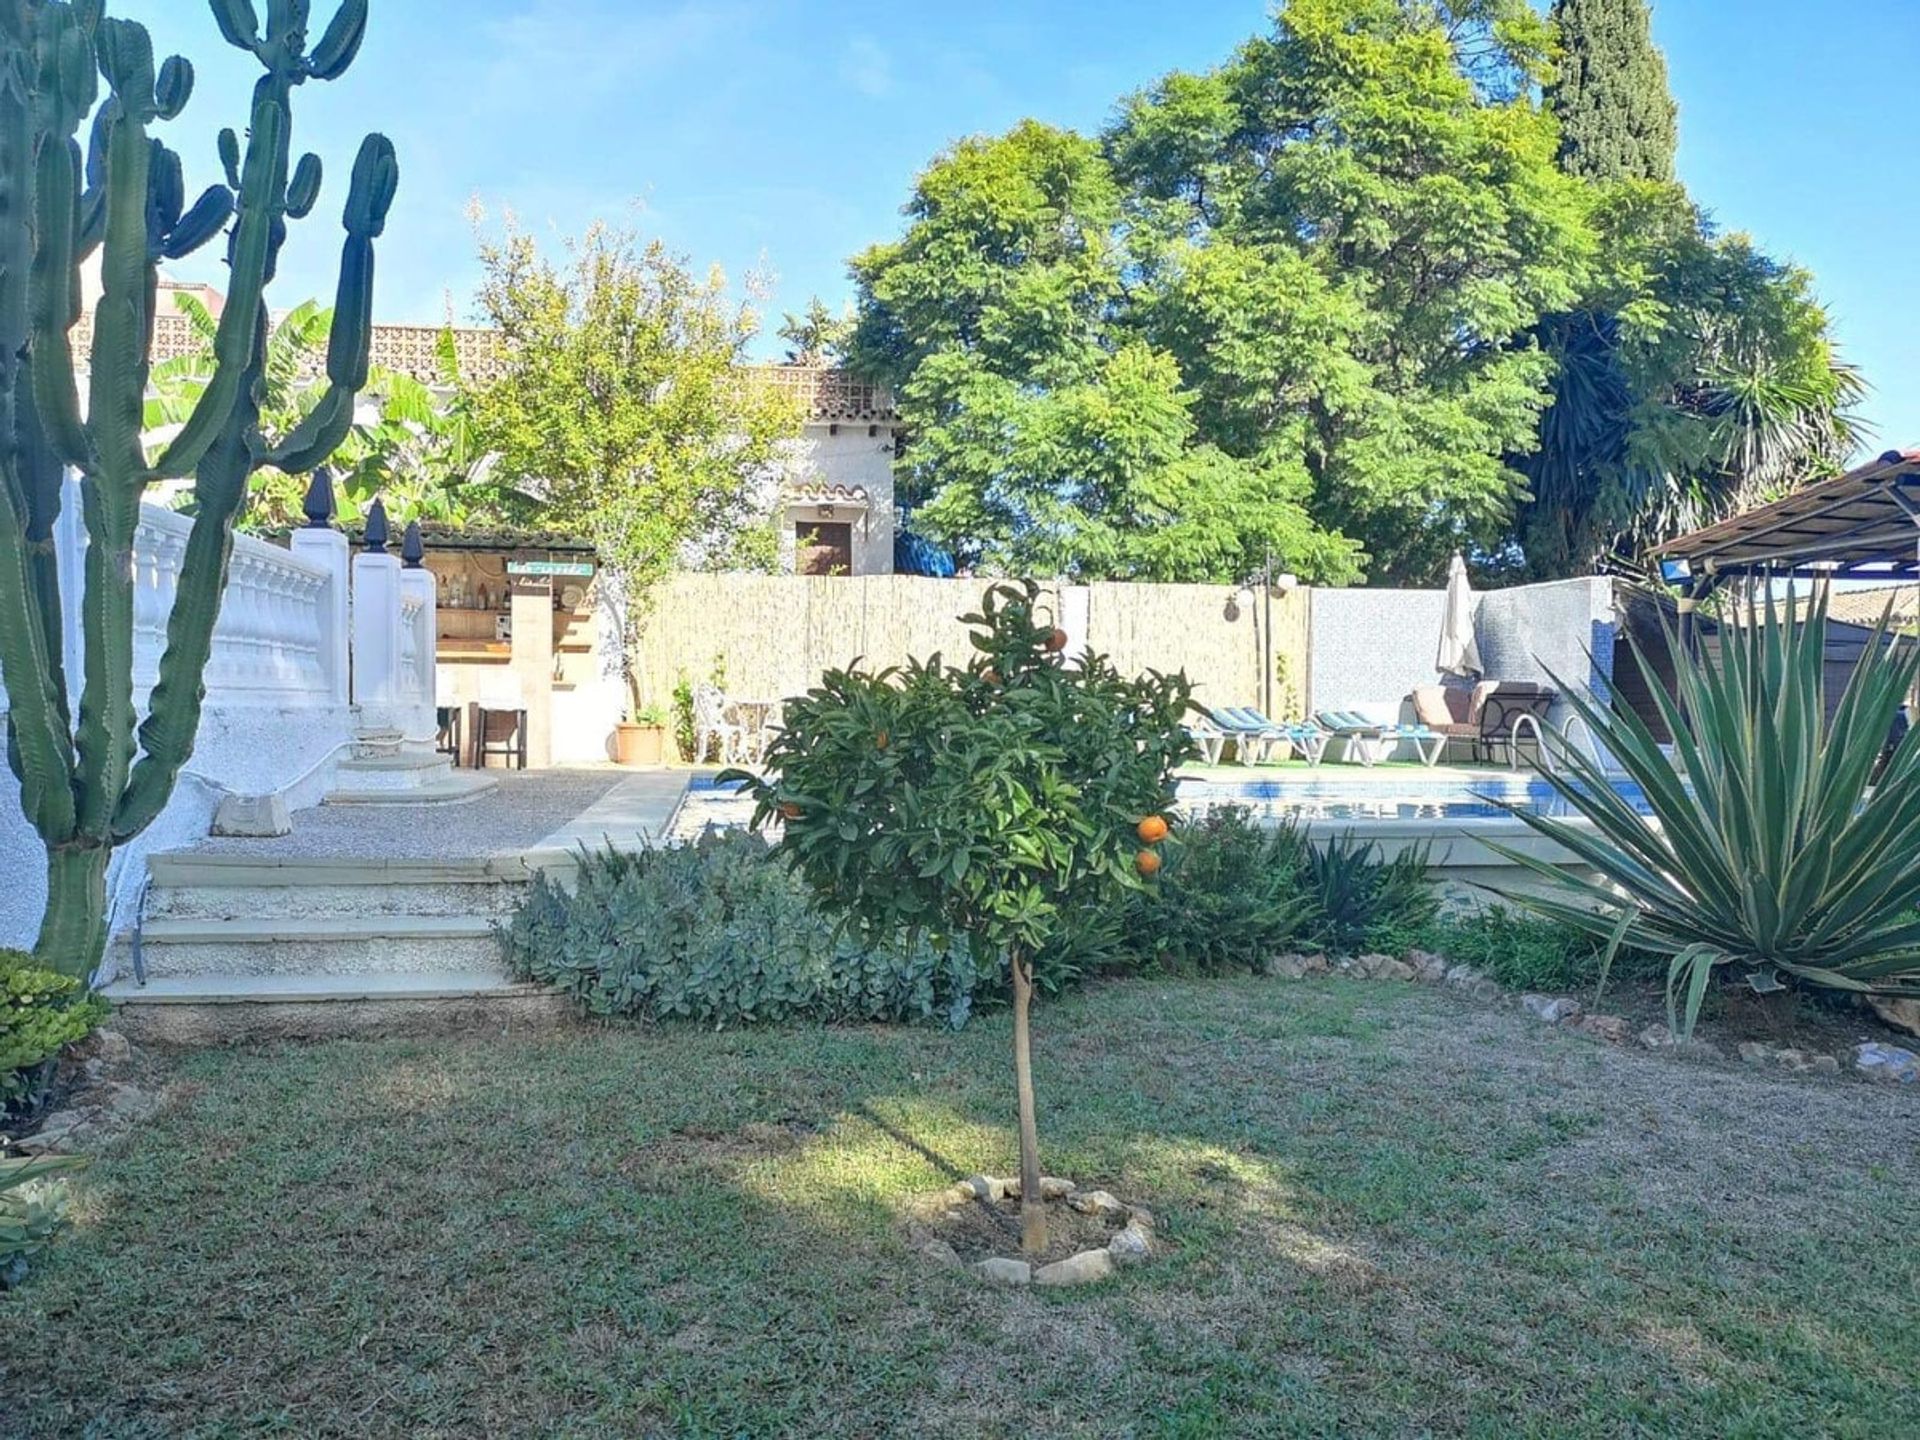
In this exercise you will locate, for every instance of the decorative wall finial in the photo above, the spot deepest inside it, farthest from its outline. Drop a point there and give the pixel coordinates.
(319, 506)
(376, 536)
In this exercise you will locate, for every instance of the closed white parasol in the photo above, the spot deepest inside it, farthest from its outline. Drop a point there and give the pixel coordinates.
(1459, 652)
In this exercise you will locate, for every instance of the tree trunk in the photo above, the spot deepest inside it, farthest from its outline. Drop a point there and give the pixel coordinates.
(1033, 1210)
(73, 927)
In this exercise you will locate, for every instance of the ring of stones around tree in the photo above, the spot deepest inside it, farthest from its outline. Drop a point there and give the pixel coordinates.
(1091, 1233)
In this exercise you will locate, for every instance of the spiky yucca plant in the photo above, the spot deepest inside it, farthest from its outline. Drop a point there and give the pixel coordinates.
(1772, 845)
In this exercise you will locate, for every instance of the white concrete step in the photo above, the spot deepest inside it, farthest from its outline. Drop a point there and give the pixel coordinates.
(387, 770)
(241, 867)
(224, 1009)
(445, 786)
(315, 987)
(272, 899)
(344, 945)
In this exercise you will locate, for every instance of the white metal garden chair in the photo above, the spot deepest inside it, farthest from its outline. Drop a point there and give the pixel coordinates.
(711, 725)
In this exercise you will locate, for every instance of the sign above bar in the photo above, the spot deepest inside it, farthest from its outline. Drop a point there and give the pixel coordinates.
(550, 567)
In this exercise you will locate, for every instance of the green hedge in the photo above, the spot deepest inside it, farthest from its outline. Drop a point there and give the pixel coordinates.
(720, 933)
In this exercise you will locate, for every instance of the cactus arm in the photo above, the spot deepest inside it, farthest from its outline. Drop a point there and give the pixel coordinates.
(376, 176)
(39, 736)
(340, 43)
(42, 477)
(40, 748)
(173, 710)
(103, 739)
(318, 434)
(263, 186)
(116, 405)
(55, 307)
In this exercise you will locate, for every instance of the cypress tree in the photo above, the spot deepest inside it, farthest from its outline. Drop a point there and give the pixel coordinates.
(1617, 117)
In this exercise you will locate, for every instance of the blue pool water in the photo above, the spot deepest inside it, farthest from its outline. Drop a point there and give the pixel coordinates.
(1305, 797)
(1300, 796)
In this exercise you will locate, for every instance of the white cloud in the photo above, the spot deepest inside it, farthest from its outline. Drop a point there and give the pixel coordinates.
(565, 53)
(867, 67)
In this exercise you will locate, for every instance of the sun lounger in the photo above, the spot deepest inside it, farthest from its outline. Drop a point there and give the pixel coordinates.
(1365, 739)
(1210, 737)
(1251, 728)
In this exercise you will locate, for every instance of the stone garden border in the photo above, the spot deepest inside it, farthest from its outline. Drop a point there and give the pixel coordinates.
(1874, 1060)
(1132, 1244)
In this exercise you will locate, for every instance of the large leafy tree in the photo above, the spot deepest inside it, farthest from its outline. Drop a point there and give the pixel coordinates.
(1617, 116)
(1274, 309)
(624, 408)
(1347, 300)
(1050, 436)
(1343, 230)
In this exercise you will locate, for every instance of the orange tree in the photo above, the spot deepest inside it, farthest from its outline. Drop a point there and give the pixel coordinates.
(1009, 803)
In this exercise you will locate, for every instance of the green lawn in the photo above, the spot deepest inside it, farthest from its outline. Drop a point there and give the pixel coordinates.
(1392, 1214)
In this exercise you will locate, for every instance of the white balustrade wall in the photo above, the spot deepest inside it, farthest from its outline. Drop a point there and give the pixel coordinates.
(271, 642)
(419, 639)
(287, 690)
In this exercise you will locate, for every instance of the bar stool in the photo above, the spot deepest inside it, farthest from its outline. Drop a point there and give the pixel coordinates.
(499, 730)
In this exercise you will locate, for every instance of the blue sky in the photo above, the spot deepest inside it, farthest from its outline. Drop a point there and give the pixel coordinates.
(784, 134)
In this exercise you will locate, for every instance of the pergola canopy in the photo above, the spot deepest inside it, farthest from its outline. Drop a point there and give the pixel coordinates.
(1860, 525)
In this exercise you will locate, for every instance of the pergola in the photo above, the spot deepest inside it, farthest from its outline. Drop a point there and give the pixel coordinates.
(1863, 525)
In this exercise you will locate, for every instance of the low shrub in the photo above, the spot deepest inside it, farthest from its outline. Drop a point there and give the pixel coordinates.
(1520, 951)
(40, 1012)
(721, 933)
(1229, 897)
(1359, 900)
(32, 1211)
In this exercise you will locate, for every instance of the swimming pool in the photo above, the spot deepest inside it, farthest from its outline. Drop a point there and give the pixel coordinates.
(1308, 797)
(1303, 796)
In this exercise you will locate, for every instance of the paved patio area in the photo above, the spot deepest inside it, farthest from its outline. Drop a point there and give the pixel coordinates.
(530, 813)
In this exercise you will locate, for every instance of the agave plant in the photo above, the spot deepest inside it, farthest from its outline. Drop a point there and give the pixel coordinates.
(1356, 895)
(1778, 841)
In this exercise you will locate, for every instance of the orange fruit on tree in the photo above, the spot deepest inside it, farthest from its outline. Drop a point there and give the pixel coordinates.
(1153, 829)
(992, 677)
(790, 811)
(1147, 862)
(880, 741)
(1056, 640)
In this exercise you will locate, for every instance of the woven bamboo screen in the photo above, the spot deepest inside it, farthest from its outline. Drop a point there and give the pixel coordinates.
(773, 635)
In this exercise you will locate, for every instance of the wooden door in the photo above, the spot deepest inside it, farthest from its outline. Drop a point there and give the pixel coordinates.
(822, 548)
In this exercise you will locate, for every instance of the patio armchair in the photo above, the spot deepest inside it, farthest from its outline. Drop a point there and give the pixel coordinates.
(1368, 741)
(1486, 715)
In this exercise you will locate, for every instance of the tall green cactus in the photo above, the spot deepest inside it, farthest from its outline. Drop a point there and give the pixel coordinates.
(91, 783)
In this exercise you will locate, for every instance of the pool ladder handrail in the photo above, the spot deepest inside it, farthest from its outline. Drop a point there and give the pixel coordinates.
(1562, 733)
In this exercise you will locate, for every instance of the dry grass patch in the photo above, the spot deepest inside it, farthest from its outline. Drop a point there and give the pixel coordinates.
(1389, 1213)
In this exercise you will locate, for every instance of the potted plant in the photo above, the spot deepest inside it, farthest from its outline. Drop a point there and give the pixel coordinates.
(641, 739)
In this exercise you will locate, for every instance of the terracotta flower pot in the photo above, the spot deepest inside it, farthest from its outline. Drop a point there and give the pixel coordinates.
(639, 744)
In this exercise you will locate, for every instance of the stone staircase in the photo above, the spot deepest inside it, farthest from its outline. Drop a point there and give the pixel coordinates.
(386, 768)
(260, 935)
(367, 920)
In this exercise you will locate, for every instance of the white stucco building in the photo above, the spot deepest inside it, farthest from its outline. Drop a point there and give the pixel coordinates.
(836, 509)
